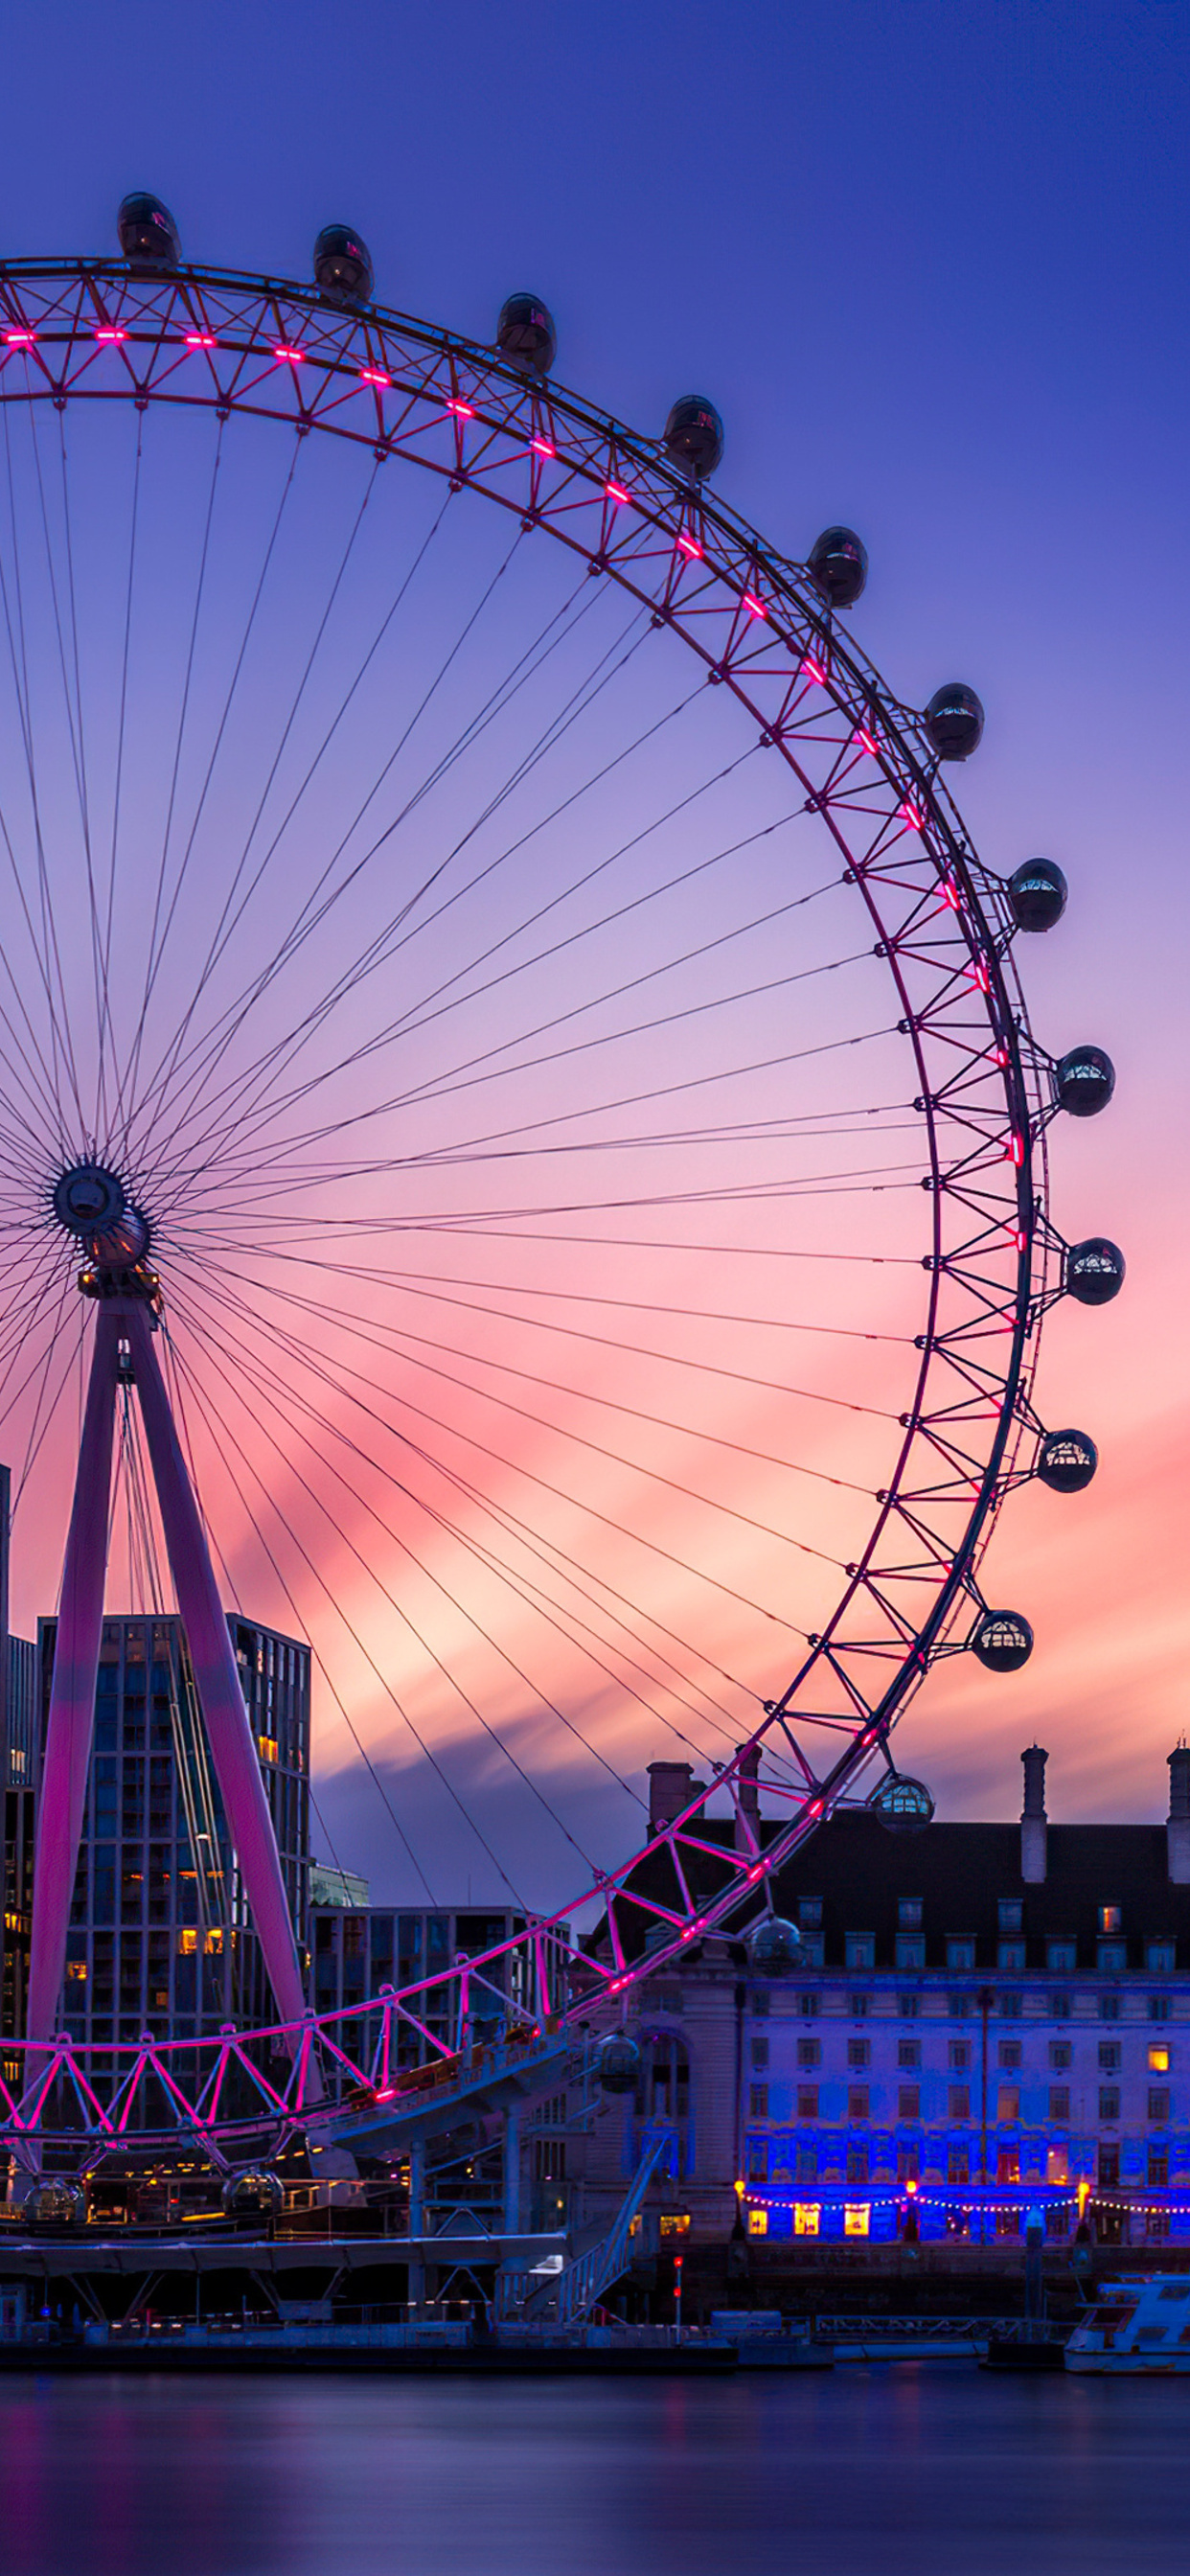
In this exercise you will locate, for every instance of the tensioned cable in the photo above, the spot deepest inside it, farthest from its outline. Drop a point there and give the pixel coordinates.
(74, 711)
(362, 1649)
(377, 951)
(159, 1085)
(273, 1387)
(299, 1352)
(101, 1087)
(507, 688)
(491, 1731)
(408, 1024)
(177, 1396)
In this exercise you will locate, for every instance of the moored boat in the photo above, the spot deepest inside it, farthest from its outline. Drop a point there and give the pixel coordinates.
(1136, 2329)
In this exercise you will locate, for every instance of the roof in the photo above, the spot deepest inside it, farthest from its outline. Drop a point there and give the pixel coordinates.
(861, 1872)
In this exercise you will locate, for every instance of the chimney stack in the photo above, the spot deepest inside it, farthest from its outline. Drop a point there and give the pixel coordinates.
(1033, 1817)
(672, 1785)
(1177, 1831)
(747, 1802)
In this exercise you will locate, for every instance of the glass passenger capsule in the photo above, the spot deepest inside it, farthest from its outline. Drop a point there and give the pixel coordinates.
(1085, 1079)
(1003, 1641)
(1037, 893)
(525, 334)
(838, 566)
(693, 436)
(148, 234)
(1094, 1271)
(954, 721)
(617, 2063)
(775, 1948)
(343, 266)
(1066, 1461)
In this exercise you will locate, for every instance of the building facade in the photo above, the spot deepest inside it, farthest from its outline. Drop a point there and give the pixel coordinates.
(984, 2019)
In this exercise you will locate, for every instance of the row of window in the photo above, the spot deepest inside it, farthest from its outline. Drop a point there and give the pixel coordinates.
(959, 2098)
(864, 2163)
(959, 2006)
(1009, 2054)
(1061, 1954)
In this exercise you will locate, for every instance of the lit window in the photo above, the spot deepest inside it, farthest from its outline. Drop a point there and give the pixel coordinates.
(76, 1970)
(1111, 1918)
(1159, 2059)
(806, 2215)
(758, 2222)
(857, 2218)
(675, 2222)
(187, 1943)
(1057, 2165)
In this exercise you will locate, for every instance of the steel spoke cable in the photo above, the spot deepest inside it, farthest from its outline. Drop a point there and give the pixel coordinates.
(178, 1380)
(47, 953)
(117, 790)
(129, 1076)
(507, 688)
(465, 1078)
(557, 1492)
(73, 706)
(275, 1389)
(221, 729)
(286, 731)
(322, 1308)
(222, 1437)
(170, 1065)
(357, 1640)
(384, 945)
(418, 1016)
(278, 1389)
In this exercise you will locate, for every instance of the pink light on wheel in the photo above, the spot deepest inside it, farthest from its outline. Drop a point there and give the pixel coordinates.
(910, 814)
(616, 492)
(754, 606)
(813, 670)
(541, 447)
(374, 376)
(465, 411)
(109, 331)
(201, 340)
(20, 339)
(690, 546)
(285, 350)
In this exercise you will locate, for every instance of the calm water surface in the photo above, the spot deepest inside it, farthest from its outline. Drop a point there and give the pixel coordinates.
(929, 2468)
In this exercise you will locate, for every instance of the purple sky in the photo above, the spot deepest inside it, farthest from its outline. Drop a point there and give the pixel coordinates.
(930, 261)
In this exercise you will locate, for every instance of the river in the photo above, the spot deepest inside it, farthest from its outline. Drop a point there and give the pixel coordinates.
(934, 2468)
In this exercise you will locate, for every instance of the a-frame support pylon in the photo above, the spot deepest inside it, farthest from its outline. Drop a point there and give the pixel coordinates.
(126, 1320)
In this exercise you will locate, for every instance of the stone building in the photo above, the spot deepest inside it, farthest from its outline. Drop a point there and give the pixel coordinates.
(983, 2018)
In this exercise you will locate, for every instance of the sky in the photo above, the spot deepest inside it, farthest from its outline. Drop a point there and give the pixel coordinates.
(929, 262)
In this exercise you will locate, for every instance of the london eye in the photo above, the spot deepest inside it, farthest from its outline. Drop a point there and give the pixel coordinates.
(522, 1149)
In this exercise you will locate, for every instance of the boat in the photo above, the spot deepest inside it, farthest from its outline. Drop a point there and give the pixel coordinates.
(1136, 2329)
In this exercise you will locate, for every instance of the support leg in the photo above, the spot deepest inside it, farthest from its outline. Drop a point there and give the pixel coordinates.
(72, 1691)
(220, 1696)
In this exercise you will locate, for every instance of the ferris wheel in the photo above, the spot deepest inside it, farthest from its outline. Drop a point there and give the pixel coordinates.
(508, 1047)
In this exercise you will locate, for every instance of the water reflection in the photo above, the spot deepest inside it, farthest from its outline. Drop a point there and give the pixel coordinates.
(862, 2473)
